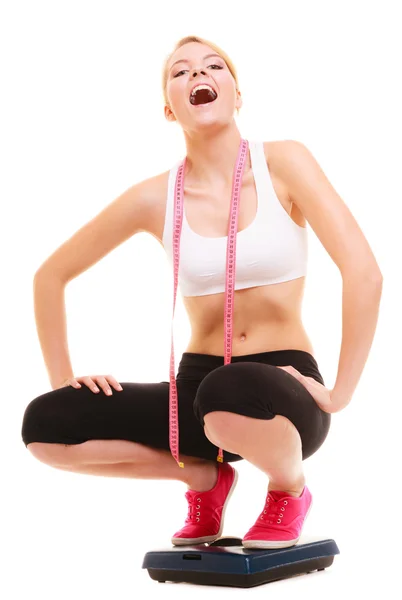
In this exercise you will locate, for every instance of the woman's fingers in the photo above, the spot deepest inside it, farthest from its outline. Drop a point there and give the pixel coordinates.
(114, 382)
(91, 382)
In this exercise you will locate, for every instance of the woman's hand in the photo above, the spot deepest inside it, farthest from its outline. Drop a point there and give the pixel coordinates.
(320, 393)
(90, 381)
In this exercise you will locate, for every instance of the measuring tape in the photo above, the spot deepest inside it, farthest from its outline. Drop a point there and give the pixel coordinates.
(230, 280)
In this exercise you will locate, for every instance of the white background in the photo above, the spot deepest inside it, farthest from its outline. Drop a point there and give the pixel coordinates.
(81, 121)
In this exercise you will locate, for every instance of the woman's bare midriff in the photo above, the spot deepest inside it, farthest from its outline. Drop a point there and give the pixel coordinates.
(265, 318)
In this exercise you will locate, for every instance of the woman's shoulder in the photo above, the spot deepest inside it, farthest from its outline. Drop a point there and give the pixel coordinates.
(154, 192)
(275, 149)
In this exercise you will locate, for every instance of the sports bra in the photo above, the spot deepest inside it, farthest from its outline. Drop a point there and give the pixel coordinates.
(272, 249)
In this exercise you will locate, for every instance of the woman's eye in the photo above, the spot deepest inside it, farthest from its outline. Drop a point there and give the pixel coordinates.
(217, 66)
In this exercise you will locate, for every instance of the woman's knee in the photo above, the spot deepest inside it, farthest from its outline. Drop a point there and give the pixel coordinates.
(241, 387)
(46, 418)
(263, 391)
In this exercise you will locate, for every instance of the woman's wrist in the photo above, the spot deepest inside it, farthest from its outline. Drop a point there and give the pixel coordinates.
(339, 400)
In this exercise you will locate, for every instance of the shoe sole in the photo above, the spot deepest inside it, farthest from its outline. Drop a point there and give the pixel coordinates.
(267, 545)
(209, 538)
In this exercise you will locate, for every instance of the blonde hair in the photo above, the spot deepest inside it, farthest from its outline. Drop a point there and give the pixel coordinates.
(200, 40)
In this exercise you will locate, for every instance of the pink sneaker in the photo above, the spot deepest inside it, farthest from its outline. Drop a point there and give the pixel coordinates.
(281, 522)
(206, 510)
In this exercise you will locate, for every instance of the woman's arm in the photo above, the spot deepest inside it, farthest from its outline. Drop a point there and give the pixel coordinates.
(360, 306)
(124, 217)
(50, 317)
(338, 231)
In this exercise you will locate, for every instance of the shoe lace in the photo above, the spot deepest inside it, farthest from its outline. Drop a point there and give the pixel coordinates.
(273, 510)
(193, 508)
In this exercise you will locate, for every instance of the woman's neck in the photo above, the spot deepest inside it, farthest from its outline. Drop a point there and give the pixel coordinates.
(211, 158)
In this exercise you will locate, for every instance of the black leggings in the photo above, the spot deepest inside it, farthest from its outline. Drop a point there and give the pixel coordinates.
(250, 385)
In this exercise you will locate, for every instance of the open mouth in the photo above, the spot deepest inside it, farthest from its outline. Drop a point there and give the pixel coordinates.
(202, 94)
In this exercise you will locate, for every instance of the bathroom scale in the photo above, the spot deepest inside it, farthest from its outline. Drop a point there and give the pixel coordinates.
(226, 562)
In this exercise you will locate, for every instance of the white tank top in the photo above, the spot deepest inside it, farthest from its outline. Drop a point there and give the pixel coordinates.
(272, 249)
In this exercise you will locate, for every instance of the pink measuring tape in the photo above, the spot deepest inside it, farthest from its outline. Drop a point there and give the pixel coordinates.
(230, 279)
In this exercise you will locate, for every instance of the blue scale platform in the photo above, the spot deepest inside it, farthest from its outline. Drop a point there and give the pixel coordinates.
(226, 562)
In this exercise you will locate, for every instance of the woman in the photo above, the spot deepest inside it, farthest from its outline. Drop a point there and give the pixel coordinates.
(270, 405)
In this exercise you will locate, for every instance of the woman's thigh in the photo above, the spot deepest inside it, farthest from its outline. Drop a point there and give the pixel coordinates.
(138, 413)
(262, 391)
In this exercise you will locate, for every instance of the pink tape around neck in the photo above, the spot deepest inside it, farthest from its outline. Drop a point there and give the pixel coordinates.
(229, 291)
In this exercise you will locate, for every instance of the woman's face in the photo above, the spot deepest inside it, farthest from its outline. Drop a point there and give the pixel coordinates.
(200, 68)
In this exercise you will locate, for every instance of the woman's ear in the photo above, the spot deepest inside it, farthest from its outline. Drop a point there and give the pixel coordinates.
(169, 114)
(239, 102)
